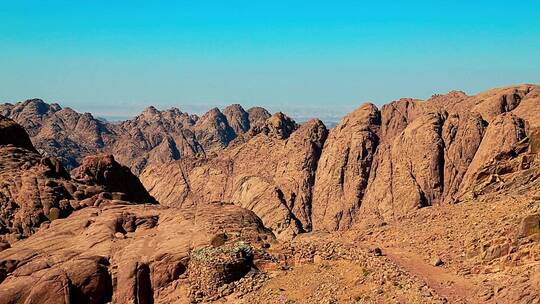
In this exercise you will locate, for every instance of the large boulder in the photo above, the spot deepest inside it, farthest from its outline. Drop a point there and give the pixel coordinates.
(103, 170)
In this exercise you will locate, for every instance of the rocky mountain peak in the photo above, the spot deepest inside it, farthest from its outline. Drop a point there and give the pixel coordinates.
(237, 118)
(279, 125)
(213, 130)
(257, 116)
(151, 110)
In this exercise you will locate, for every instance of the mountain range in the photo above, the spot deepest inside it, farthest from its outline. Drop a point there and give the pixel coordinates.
(429, 201)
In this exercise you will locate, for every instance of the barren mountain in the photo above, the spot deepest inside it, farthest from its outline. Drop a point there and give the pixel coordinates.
(93, 237)
(376, 165)
(153, 136)
(434, 201)
(258, 174)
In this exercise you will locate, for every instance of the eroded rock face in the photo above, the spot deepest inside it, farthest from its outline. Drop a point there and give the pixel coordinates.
(501, 136)
(213, 130)
(33, 189)
(237, 118)
(125, 254)
(419, 153)
(382, 165)
(395, 117)
(257, 116)
(154, 136)
(36, 190)
(344, 168)
(104, 171)
(73, 241)
(62, 133)
(494, 102)
(270, 173)
(462, 135)
(415, 177)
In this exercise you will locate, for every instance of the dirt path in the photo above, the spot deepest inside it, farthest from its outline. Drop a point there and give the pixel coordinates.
(455, 288)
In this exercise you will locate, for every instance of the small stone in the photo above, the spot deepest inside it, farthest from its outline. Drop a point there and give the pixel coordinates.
(119, 235)
(54, 213)
(529, 225)
(436, 261)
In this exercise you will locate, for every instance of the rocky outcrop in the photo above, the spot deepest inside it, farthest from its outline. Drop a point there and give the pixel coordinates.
(213, 131)
(500, 138)
(62, 133)
(494, 102)
(36, 190)
(395, 117)
(85, 240)
(155, 136)
(121, 254)
(13, 134)
(257, 116)
(344, 168)
(271, 174)
(375, 165)
(237, 118)
(462, 135)
(416, 165)
(104, 171)
(33, 189)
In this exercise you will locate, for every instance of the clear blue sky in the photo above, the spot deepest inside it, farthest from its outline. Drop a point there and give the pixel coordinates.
(116, 57)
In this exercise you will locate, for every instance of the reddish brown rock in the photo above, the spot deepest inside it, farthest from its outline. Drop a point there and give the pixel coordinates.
(103, 170)
(237, 118)
(344, 168)
(13, 134)
(494, 102)
(501, 136)
(33, 189)
(154, 136)
(395, 117)
(462, 135)
(271, 174)
(257, 117)
(213, 131)
(79, 259)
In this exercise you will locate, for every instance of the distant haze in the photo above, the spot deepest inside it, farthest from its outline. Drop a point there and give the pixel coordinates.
(307, 58)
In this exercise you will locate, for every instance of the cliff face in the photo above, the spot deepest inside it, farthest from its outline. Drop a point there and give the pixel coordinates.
(344, 168)
(270, 173)
(375, 165)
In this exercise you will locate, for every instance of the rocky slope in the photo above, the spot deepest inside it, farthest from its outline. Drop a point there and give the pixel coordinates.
(256, 172)
(375, 166)
(97, 236)
(153, 136)
(432, 201)
(36, 189)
